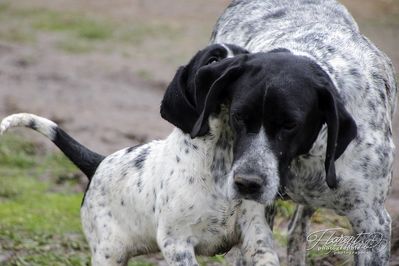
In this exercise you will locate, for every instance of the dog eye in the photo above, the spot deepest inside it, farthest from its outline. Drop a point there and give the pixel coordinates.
(237, 117)
(237, 120)
(212, 60)
(289, 126)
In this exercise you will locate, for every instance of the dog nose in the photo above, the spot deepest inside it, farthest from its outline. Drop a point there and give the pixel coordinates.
(248, 184)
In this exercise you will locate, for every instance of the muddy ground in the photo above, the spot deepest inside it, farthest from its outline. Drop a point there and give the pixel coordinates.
(103, 82)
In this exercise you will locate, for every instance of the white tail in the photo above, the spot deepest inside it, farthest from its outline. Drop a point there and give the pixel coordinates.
(40, 124)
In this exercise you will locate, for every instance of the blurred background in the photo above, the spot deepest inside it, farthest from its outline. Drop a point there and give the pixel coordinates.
(99, 69)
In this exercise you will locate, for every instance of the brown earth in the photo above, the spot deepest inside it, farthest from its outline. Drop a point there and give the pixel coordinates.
(108, 96)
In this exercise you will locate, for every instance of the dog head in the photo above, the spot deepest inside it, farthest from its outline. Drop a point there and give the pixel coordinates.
(278, 105)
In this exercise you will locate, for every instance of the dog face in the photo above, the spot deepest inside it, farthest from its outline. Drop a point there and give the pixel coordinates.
(278, 105)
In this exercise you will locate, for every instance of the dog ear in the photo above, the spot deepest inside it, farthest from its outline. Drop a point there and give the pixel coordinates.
(176, 106)
(341, 129)
(219, 78)
(184, 98)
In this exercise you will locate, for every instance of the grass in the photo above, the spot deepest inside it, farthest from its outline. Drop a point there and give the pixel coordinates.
(80, 26)
(37, 226)
(77, 32)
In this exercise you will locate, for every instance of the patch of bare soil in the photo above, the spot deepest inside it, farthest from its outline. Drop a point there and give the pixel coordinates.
(98, 100)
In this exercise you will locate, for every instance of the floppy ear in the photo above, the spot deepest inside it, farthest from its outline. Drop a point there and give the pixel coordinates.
(188, 100)
(341, 129)
(219, 91)
(176, 106)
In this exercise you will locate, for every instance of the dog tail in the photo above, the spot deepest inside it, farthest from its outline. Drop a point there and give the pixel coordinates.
(86, 160)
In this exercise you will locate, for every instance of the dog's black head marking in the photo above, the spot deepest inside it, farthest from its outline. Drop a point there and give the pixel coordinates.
(287, 97)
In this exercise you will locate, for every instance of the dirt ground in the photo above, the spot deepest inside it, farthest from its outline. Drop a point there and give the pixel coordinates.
(106, 90)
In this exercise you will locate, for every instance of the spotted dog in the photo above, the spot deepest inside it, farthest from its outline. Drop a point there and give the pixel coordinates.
(169, 194)
(318, 106)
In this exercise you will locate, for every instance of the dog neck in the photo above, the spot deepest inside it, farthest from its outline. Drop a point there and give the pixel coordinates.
(210, 155)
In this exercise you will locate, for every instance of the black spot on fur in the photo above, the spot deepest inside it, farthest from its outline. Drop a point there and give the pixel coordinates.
(382, 96)
(140, 184)
(331, 49)
(130, 149)
(259, 251)
(278, 14)
(183, 256)
(376, 77)
(177, 159)
(214, 220)
(124, 172)
(32, 124)
(354, 72)
(223, 222)
(140, 159)
(167, 243)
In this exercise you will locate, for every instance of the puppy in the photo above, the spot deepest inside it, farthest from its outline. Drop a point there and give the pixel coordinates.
(168, 195)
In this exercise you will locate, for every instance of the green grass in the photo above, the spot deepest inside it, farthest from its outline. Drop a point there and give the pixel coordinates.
(77, 32)
(37, 226)
(77, 24)
(15, 153)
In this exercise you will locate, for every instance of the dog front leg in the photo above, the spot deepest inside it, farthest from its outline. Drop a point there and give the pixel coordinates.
(257, 238)
(177, 250)
(372, 231)
(297, 233)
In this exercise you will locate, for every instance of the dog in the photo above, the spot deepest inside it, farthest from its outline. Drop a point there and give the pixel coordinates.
(168, 195)
(318, 107)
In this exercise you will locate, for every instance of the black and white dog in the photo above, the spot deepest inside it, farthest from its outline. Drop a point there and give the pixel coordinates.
(169, 195)
(315, 115)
